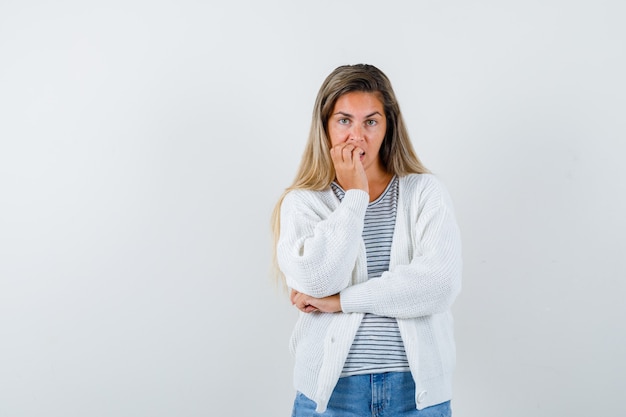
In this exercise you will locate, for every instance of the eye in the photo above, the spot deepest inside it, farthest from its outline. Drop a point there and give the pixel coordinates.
(344, 121)
(371, 122)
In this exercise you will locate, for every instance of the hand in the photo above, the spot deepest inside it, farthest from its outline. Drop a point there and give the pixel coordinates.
(308, 304)
(349, 170)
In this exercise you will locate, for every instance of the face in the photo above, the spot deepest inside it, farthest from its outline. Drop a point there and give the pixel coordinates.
(359, 118)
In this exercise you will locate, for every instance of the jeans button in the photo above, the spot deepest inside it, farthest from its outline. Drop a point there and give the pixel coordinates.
(421, 396)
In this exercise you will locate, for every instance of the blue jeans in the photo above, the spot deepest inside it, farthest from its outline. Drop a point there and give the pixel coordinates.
(377, 395)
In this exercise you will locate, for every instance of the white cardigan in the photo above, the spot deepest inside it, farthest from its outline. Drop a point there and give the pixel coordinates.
(321, 252)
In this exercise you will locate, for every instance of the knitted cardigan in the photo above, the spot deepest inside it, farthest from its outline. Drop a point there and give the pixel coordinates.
(321, 252)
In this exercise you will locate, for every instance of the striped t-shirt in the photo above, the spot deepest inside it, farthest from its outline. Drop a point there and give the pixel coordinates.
(377, 346)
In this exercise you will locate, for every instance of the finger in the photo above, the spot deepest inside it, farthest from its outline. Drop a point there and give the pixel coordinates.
(308, 308)
(292, 296)
(358, 152)
(343, 152)
(336, 155)
(301, 302)
(346, 153)
(356, 155)
(298, 298)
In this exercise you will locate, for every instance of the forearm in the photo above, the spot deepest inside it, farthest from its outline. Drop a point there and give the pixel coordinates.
(409, 291)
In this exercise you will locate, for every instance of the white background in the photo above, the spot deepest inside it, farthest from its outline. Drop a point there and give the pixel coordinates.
(144, 143)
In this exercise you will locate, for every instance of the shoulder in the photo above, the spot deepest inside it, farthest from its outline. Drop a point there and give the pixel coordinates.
(419, 183)
(307, 198)
(425, 189)
(302, 194)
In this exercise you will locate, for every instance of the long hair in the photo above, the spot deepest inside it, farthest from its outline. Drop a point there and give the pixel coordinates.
(316, 170)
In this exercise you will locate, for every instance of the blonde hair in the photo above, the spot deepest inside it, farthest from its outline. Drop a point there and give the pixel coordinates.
(316, 170)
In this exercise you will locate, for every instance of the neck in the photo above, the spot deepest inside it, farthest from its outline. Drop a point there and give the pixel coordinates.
(377, 182)
(377, 174)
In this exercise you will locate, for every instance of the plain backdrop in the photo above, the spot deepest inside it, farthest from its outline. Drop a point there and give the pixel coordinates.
(143, 145)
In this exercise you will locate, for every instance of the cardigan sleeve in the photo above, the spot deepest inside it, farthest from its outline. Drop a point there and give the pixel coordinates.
(317, 247)
(431, 280)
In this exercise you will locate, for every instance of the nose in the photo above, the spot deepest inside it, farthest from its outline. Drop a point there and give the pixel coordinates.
(356, 134)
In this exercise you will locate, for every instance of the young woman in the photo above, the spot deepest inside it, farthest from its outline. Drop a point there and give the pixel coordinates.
(367, 241)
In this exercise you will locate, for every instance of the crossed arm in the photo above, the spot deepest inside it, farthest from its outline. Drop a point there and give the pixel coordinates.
(424, 284)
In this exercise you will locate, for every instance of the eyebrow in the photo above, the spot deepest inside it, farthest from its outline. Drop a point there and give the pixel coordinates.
(349, 115)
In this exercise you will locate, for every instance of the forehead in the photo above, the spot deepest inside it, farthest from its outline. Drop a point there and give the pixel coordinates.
(359, 100)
